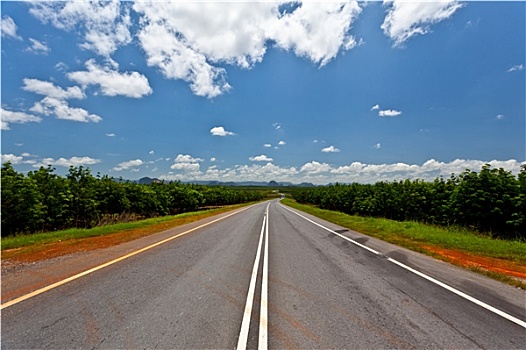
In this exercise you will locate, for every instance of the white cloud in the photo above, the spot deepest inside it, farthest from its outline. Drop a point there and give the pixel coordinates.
(317, 31)
(151, 152)
(11, 158)
(389, 113)
(9, 28)
(179, 61)
(61, 66)
(111, 134)
(128, 165)
(378, 146)
(315, 167)
(73, 161)
(8, 117)
(282, 143)
(48, 89)
(407, 19)
(267, 145)
(499, 117)
(261, 158)
(112, 83)
(103, 25)
(375, 107)
(213, 159)
(62, 110)
(187, 159)
(187, 167)
(38, 47)
(517, 67)
(323, 173)
(330, 149)
(276, 125)
(55, 101)
(220, 131)
(187, 40)
(188, 164)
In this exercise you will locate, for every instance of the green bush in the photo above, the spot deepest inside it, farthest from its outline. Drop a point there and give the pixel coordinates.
(43, 201)
(491, 201)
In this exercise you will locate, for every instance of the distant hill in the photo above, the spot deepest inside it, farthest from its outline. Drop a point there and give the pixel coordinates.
(149, 180)
(252, 184)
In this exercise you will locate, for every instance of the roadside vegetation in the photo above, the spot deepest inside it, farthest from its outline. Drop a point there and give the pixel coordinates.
(492, 201)
(43, 201)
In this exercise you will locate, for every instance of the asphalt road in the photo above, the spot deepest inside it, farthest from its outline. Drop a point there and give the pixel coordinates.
(267, 277)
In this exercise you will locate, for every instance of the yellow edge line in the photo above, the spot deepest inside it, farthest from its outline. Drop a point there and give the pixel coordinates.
(111, 262)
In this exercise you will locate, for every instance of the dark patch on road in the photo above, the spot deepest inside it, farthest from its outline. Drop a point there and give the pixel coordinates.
(361, 240)
(398, 256)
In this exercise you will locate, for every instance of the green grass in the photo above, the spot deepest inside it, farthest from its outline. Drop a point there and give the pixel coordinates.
(414, 235)
(64, 235)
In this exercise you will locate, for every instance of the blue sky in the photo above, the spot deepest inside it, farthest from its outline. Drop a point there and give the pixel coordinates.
(352, 91)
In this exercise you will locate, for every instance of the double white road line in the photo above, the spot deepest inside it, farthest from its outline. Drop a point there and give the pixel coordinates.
(263, 312)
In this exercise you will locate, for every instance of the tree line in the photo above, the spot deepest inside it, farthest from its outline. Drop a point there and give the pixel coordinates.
(491, 201)
(43, 201)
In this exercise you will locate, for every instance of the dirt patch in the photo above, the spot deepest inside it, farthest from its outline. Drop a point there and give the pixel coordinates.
(46, 251)
(457, 257)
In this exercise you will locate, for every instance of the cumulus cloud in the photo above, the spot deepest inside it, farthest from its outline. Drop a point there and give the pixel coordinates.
(104, 24)
(187, 40)
(282, 143)
(389, 113)
(375, 107)
(378, 146)
(62, 110)
(317, 31)
(48, 89)
(323, 173)
(517, 67)
(187, 167)
(111, 82)
(261, 158)
(315, 167)
(330, 149)
(55, 101)
(267, 145)
(9, 28)
(64, 162)
(406, 19)
(11, 158)
(220, 131)
(128, 165)
(187, 159)
(176, 60)
(111, 134)
(188, 164)
(9, 117)
(499, 117)
(38, 47)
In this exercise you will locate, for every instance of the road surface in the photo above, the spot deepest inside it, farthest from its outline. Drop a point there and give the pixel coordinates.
(268, 277)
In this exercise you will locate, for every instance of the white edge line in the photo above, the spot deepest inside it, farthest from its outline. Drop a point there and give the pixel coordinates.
(429, 278)
(245, 324)
(263, 313)
(111, 262)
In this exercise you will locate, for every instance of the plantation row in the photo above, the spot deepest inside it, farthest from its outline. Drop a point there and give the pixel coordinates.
(492, 201)
(43, 201)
